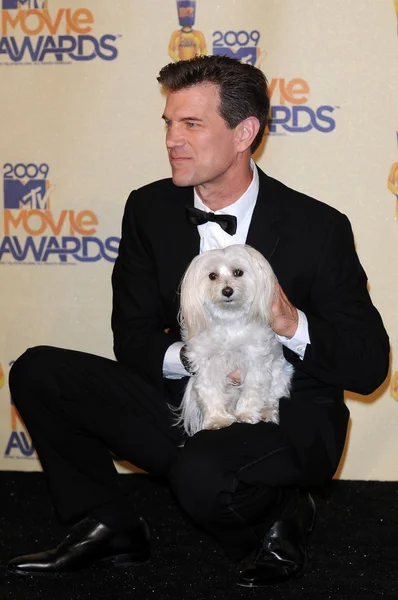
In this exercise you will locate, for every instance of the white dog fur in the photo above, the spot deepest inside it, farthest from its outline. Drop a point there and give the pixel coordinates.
(226, 300)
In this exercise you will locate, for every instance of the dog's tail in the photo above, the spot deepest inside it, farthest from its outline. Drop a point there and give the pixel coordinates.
(188, 413)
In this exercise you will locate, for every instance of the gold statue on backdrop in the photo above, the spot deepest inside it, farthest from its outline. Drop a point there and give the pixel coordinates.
(393, 187)
(393, 184)
(1, 377)
(394, 386)
(186, 43)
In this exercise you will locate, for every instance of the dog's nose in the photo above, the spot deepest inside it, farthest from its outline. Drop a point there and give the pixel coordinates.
(227, 291)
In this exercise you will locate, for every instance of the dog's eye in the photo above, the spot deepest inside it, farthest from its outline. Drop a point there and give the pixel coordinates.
(212, 276)
(237, 273)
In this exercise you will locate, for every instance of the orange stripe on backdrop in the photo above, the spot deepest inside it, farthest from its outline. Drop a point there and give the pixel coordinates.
(1, 377)
(16, 419)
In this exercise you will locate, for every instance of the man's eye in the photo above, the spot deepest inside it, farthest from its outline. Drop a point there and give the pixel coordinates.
(212, 276)
(237, 273)
(191, 125)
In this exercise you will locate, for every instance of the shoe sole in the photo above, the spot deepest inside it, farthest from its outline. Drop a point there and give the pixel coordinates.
(120, 561)
(123, 560)
(273, 581)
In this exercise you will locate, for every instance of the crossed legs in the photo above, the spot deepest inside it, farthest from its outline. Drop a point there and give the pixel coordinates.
(80, 408)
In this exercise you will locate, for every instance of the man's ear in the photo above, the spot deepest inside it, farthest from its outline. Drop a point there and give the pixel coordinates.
(246, 132)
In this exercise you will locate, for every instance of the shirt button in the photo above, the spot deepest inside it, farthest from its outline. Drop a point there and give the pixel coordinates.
(300, 348)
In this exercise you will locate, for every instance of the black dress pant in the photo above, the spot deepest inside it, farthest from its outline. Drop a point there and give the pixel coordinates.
(81, 409)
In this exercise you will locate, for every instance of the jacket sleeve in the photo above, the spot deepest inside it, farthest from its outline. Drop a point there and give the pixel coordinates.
(138, 319)
(349, 345)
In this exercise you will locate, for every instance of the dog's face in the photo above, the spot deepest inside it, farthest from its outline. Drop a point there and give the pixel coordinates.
(227, 284)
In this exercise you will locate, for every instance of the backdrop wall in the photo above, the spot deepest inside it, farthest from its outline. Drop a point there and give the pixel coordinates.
(81, 127)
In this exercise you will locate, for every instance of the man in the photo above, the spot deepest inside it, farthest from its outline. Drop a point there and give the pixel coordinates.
(246, 484)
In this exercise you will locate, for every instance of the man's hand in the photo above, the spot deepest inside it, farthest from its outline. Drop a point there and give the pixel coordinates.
(285, 316)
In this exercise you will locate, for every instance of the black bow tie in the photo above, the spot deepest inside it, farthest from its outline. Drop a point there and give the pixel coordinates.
(199, 217)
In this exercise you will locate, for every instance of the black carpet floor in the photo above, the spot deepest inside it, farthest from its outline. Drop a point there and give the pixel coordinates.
(354, 549)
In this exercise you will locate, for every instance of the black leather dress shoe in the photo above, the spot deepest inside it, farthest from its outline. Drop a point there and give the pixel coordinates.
(283, 552)
(88, 542)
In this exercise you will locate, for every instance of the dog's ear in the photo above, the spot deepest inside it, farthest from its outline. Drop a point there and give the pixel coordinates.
(261, 309)
(192, 315)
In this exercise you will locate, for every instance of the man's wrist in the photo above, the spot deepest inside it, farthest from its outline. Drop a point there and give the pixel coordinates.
(288, 327)
(300, 339)
(293, 324)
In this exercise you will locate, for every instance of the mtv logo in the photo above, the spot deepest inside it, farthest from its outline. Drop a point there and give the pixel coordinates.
(29, 4)
(246, 54)
(31, 196)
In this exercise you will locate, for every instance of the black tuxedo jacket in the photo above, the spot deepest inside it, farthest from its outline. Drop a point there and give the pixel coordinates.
(311, 249)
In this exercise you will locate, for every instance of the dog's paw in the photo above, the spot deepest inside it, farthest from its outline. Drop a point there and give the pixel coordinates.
(248, 416)
(270, 415)
(219, 421)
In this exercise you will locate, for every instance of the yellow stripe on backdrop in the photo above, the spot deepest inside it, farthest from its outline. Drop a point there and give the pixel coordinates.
(81, 127)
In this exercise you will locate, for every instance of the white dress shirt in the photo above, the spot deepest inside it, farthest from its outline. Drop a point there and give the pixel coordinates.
(212, 236)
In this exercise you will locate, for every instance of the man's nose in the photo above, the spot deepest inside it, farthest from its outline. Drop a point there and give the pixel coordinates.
(227, 291)
(174, 137)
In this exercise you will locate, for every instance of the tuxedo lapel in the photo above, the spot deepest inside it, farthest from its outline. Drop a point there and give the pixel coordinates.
(181, 240)
(189, 235)
(264, 230)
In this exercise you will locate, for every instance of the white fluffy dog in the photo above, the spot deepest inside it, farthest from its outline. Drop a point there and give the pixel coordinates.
(226, 300)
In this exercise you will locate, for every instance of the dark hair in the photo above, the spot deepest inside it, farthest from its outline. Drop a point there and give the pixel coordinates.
(242, 87)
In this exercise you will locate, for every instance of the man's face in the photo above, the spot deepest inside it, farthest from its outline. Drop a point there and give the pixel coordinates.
(201, 147)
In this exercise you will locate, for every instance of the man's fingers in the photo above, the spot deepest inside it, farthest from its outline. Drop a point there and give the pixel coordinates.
(235, 376)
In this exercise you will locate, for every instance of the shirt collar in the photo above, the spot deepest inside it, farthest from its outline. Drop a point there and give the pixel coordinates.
(243, 206)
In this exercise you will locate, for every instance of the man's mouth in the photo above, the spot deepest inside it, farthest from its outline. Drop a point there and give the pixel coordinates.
(173, 157)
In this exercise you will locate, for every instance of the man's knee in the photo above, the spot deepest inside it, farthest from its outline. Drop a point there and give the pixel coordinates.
(30, 370)
(200, 484)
